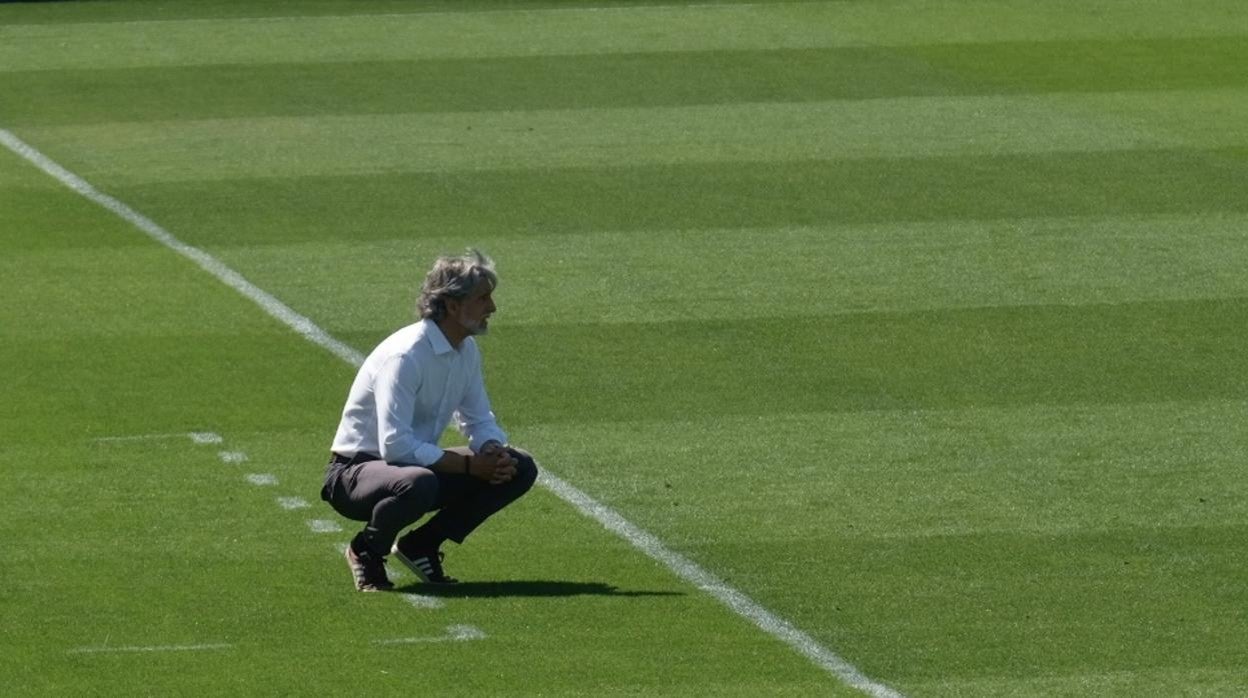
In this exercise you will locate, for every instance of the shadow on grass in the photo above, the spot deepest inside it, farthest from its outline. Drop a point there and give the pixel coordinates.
(535, 588)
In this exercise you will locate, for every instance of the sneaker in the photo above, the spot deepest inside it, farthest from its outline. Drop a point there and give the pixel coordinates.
(369, 573)
(427, 565)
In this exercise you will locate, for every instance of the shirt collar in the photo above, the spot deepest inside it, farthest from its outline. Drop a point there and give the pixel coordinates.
(437, 340)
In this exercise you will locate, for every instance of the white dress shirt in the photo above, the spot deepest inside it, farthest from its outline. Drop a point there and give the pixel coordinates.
(406, 393)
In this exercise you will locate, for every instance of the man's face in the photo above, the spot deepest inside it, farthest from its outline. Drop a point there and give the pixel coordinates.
(473, 313)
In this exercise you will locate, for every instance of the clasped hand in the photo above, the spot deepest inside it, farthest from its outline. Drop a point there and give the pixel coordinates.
(494, 464)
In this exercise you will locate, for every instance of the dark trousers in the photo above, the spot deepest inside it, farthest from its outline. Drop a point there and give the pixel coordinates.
(389, 498)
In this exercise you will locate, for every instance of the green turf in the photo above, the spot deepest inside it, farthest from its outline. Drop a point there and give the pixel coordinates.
(508, 203)
(161, 543)
(350, 34)
(921, 323)
(584, 81)
(885, 267)
(1003, 554)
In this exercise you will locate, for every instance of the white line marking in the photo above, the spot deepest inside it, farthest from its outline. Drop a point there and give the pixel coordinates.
(232, 456)
(323, 526)
(262, 479)
(609, 518)
(454, 633)
(279, 310)
(199, 437)
(465, 632)
(422, 601)
(292, 503)
(152, 648)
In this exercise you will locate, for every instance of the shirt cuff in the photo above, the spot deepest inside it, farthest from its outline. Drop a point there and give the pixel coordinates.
(427, 454)
(478, 440)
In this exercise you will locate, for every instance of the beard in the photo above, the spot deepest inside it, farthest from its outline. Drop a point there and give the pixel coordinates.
(476, 327)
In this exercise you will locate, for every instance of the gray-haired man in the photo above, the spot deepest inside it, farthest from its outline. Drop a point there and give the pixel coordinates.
(387, 468)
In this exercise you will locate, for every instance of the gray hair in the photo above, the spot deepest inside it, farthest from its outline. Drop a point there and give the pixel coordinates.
(453, 278)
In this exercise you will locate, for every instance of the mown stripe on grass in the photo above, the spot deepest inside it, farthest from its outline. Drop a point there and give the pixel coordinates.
(279, 11)
(814, 270)
(347, 38)
(615, 80)
(1159, 681)
(1125, 599)
(1049, 355)
(633, 29)
(1018, 469)
(132, 153)
(762, 194)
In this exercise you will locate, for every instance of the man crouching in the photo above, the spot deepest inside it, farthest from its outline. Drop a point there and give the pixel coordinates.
(387, 469)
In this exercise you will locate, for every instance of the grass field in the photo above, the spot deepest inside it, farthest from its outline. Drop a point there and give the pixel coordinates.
(921, 324)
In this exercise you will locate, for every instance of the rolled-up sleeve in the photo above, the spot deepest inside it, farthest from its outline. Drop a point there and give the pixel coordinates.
(396, 385)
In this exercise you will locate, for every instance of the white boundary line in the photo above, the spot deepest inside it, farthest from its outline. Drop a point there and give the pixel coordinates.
(323, 526)
(261, 479)
(454, 633)
(693, 573)
(151, 648)
(420, 600)
(292, 503)
(610, 519)
(199, 437)
(279, 310)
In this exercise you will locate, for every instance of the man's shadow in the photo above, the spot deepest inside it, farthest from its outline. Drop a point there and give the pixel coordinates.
(531, 588)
